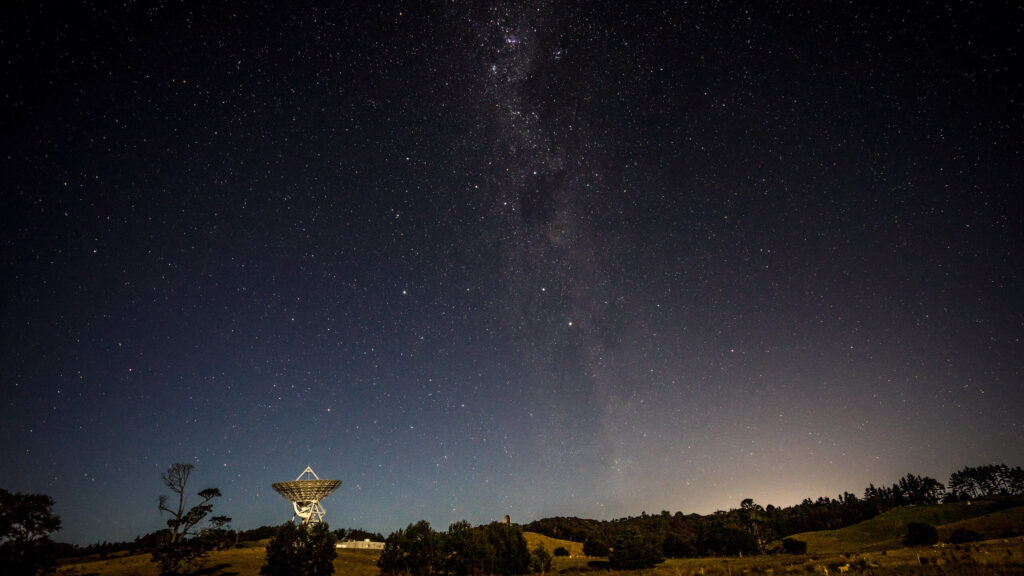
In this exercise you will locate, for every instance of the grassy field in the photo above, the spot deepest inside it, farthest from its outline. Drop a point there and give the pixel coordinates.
(853, 551)
(990, 557)
(235, 562)
(246, 561)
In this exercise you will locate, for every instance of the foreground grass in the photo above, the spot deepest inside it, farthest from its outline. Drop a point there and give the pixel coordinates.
(984, 558)
(235, 562)
(998, 556)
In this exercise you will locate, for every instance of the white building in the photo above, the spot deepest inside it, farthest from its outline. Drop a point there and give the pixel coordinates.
(363, 545)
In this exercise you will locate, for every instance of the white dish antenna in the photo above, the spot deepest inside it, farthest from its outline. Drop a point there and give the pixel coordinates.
(305, 494)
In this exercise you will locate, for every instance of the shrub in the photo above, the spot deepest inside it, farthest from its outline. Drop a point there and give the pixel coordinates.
(794, 546)
(184, 556)
(561, 551)
(962, 535)
(920, 534)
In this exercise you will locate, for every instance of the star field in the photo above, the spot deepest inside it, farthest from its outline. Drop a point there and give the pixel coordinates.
(487, 258)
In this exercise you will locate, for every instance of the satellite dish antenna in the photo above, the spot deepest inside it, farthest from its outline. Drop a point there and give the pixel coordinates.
(305, 494)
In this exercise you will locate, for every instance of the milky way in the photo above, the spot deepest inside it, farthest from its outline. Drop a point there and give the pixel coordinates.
(491, 258)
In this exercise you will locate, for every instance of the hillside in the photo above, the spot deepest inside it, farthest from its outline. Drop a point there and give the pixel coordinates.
(886, 530)
(995, 525)
(533, 539)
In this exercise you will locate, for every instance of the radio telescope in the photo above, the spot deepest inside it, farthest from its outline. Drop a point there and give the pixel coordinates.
(305, 494)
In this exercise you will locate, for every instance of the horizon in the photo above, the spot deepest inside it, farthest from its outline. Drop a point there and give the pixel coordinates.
(482, 520)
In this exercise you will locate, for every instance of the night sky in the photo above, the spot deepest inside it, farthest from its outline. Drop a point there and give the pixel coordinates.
(488, 258)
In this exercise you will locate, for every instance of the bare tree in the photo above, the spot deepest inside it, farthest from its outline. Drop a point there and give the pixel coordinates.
(185, 545)
(182, 521)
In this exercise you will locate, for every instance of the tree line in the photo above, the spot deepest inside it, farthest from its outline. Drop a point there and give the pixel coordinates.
(750, 528)
(464, 550)
(990, 480)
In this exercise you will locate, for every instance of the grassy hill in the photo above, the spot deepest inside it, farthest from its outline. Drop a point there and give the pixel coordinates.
(533, 539)
(886, 530)
(994, 525)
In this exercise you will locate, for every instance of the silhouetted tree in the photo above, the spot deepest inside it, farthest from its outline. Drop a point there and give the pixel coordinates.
(560, 551)
(184, 547)
(596, 546)
(510, 555)
(987, 480)
(724, 534)
(219, 534)
(919, 490)
(497, 548)
(910, 489)
(632, 552)
(26, 521)
(540, 560)
(754, 518)
(301, 550)
(261, 533)
(414, 551)
(467, 553)
(675, 546)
